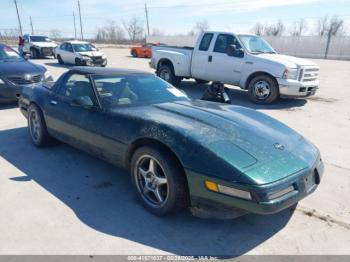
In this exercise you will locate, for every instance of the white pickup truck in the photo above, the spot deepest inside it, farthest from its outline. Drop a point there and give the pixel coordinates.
(244, 60)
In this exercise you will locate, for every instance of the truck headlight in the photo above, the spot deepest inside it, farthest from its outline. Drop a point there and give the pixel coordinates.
(290, 73)
(47, 76)
(212, 186)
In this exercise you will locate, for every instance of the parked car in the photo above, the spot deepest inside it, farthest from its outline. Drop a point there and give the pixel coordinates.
(143, 50)
(80, 53)
(244, 60)
(16, 73)
(38, 46)
(179, 152)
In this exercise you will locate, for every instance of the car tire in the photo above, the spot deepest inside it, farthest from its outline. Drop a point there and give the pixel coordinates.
(166, 73)
(134, 53)
(78, 62)
(37, 127)
(263, 89)
(201, 82)
(163, 189)
(34, 54)
(60, 61)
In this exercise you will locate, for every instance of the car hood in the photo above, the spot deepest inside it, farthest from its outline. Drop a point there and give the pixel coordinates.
(92, 53)
(20, 68)
(45, 44)
(251, 142)
(288, 61)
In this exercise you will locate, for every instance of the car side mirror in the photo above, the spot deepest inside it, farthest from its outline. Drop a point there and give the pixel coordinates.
(232, 50)
(83, 101)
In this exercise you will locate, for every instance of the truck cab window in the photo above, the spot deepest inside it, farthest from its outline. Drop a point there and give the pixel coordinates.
(205, 43)
(224, 41)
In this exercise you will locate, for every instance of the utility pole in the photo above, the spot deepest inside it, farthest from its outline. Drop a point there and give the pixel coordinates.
(75, 27)
(19, 19)
(146, 11)
(31, 24)
(81, 25)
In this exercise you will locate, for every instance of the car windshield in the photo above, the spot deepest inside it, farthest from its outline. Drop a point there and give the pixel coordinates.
(135, 90)
(255, 44)
(83, 47)
(7, 54)
(40, 39)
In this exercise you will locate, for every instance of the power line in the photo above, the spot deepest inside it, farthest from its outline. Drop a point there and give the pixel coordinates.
(81, 25)
(19, 19)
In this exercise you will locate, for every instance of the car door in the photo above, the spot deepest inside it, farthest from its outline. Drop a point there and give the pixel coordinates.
(70, 122)
(221, 66)
(70, 55)
(200, 57)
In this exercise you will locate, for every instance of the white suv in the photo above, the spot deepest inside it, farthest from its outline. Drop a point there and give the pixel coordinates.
(80, 53)
(38, 46)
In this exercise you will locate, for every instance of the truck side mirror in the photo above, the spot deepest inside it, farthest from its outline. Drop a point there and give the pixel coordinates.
(232, 50)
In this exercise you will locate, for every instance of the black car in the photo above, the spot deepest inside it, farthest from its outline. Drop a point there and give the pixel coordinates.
(16, 72)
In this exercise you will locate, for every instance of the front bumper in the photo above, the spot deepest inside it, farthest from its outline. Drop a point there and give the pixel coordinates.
(294, 88)
(47, 51)
(9, 93)
(261, 194)
(93, 61)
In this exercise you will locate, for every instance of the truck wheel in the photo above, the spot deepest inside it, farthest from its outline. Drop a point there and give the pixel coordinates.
(159, 181)
(263, 89)
(60, 61)
(166, 73)
(201, 82)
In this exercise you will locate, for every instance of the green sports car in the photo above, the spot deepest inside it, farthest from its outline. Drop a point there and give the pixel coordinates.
(180, 152)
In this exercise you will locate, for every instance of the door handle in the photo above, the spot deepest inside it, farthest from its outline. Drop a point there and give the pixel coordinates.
(53, 102)
(210, 58)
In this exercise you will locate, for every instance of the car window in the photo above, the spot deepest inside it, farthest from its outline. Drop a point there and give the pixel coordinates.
(205, 43)
(7, 54)
(69, 48)
(135, 90)
(63, 46)
(77, 85)
(224, 41)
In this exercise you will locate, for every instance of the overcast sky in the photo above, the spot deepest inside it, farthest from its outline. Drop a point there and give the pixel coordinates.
(169, 16)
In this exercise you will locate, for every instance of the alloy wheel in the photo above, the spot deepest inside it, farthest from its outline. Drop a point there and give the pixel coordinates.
(35, 126)
(151, 181)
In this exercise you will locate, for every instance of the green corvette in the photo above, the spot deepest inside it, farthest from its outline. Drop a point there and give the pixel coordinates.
(180, 152)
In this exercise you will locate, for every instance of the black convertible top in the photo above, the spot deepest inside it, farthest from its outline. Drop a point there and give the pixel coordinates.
(106, 71)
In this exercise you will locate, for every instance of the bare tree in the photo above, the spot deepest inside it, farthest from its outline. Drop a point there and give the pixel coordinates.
(258, 29)
(275, 29)
(55, 34)
(134, 29)
(332, 28)
(298, 28)
(157, 32)
(322, 26)
(199, 27)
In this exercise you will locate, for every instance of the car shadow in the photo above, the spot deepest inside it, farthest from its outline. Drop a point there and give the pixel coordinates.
(53, 64)
(240, 97)
(102, 198)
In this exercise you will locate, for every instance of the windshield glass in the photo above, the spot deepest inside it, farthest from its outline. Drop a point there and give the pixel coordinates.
(135, 90)
(40, 39)
(83, 47)
(7, 54)
(256, 44)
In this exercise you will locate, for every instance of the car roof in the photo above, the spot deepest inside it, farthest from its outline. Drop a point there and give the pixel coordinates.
(77, 42)
(106, 71)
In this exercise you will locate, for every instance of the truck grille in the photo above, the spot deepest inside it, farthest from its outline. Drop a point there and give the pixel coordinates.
(47, 50)
(309, 74)
(21, 80)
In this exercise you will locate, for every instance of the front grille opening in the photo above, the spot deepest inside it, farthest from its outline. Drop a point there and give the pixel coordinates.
(302, 89)
(317, 177)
